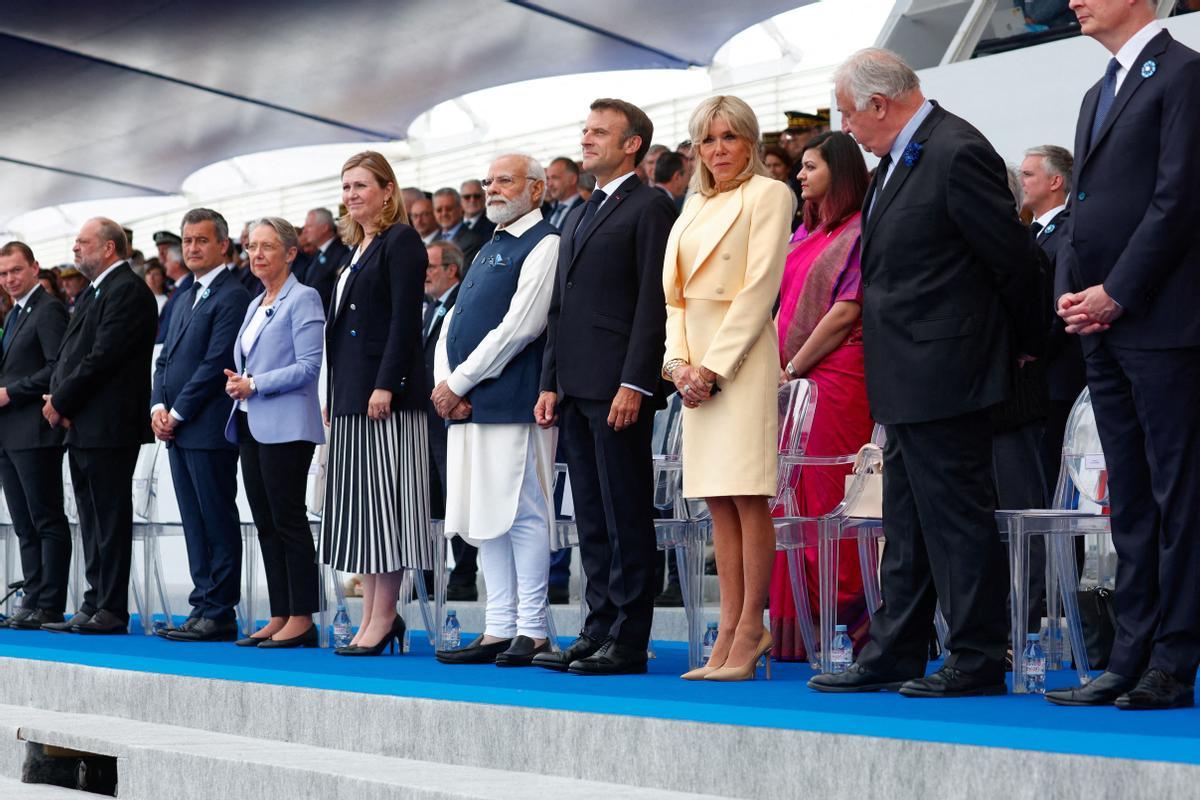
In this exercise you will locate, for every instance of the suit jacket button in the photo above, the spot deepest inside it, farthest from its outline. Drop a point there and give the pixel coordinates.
(720, 290)
(353, 307)
(354, 333)
(724, 256)
(470, 284)
(569, 284)
(1082, 196)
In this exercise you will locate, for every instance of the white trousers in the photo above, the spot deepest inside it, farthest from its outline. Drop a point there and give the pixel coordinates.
(516, 565)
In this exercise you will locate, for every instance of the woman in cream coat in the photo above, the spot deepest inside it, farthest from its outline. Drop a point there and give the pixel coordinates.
(723, 266)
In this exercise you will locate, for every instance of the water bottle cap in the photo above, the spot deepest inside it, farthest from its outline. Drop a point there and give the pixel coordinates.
(452, 613)
(840, 628)
(712, 626)
(1032, 637)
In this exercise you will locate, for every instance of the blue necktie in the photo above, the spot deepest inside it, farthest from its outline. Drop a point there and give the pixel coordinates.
(10, 325)
(1108, 93)
(589, 213)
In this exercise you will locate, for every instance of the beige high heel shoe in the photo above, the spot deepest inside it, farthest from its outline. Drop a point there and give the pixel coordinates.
(700, 673)
(746, 672)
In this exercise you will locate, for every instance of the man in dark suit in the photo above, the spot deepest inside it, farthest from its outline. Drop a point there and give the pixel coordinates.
(189, 410)
(669, 178)
(474, 213)
(600, 382)
(328, 253)
(171, 256)
(1131, 290)
(441, 286)
(99, 391)
(948, 276)
(448, 211)
(31, 452)
(562, 191)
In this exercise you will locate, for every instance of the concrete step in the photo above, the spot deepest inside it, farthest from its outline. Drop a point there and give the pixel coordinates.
(13, 789)
(157, 761)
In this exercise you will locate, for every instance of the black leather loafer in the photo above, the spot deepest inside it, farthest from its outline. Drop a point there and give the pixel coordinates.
(35, 620)
(186, 625)
(103, 623)
(205, 630)
(521, 652)
(577, 650)
(856, 678)
(306, 639)
(67, 626)
(951, 682)
(1102, 691)
(611, 659)
(475, 653)
(1156, 691)
(20, 615)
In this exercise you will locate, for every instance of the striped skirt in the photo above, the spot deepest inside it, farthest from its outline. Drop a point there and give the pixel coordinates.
(377, 495)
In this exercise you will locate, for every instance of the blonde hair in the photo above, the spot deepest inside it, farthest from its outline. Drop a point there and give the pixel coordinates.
(741, 120)
(392, 212)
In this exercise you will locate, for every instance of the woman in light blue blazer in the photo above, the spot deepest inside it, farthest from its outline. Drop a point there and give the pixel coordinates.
(276, 423)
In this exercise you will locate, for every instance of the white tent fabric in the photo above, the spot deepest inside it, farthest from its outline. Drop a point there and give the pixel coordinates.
(106, 99)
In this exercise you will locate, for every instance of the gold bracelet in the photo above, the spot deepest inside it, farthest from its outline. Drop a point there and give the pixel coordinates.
(671, 366)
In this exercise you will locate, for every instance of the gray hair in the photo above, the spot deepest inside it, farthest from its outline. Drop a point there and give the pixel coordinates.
(1014, 185)
(534, 170)
(451, 253)
(175, 253)
(446, 191)
(112, 232)
(324, 215)
(283, 229)
(198, 215)
(1056, 161)
(875, 71)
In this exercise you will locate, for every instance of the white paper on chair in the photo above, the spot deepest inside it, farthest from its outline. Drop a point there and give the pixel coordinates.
(1093, 461)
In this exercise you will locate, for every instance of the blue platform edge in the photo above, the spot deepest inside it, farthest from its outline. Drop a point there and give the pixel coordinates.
(1020, 722)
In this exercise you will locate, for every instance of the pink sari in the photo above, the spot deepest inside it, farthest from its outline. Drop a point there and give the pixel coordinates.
(821, 270)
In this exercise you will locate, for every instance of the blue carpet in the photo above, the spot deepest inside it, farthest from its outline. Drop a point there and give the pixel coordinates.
(1018, 722)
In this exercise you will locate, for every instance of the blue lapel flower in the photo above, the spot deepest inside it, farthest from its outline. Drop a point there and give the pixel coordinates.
(1049, 229)
(204, 295)
(1149, 68)
(912, 154)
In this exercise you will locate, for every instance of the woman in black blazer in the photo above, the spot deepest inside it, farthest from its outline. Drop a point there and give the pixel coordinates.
(376, 520)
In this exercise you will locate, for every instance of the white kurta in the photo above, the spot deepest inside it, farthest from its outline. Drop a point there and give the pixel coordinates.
(485, 464)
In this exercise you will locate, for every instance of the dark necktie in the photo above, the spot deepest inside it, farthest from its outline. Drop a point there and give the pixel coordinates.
(187, 301)
(1036, 227)
(1108, 93)
(10, 325)
(881, 174)
(589, 213)
(431, 317)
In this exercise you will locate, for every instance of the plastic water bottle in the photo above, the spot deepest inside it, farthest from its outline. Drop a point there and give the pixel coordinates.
(710, 639)
(841, 650)
(451, 631)
(341, 627)
(1035, 665)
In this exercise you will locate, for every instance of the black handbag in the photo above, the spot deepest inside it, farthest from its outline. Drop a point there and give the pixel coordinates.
(1099, 621)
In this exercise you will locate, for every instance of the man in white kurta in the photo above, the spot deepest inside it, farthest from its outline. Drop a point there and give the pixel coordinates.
(500, 474)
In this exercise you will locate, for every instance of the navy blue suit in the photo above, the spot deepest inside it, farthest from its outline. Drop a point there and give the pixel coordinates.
(1135, 228)
(189, 379)
(164, 316)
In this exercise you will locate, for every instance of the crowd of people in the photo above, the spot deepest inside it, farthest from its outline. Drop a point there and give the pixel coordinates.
(473, 337)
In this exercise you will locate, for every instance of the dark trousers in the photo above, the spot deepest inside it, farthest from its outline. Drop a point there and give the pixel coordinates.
(1017, 467)
(276, 477)
(466, 567)
(32, 481)
(611, 483)
(942, 544)
(103, 482)
(1145, 402)
(206, 488)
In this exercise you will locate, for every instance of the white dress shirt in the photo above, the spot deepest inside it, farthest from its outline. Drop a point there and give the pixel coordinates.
(1127, 55)
(1044, 219)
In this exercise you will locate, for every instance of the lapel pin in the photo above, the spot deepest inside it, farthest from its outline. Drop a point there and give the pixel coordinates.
(1049, 228)
(204, 295)
(912, 154)
(1149, 68)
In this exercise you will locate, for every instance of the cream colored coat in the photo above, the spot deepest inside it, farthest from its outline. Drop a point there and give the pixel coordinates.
(719, 316)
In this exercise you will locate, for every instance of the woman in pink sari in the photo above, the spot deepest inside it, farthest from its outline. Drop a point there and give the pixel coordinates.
(820, 338)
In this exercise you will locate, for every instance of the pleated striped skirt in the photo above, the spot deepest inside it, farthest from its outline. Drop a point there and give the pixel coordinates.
(377, 495)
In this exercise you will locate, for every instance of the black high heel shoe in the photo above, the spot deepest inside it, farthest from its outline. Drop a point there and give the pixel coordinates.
(306, 639)
(396, 635)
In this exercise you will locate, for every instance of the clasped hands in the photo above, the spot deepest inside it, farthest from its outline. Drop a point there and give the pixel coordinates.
(695, 384)
(1090, 311)
(51, 415)
(449, 405)
(163, 425)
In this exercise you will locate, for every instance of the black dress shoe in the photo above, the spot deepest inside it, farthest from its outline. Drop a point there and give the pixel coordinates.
(521, 652)
(103, 623)
(671, 597)
(1102, 691)
(35, 619)
(611, 659)
(559, 595)
(462, 594)
(475, 653)
(1157, 690)
(20, 615)
(856, 678)
(952, 682)
(186, 625)
(205, 630)
(251, 641)
(68, 626)
(577, 650)
(306, 639)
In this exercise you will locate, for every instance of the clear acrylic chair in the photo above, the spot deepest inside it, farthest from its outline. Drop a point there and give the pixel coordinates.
(1082, 481)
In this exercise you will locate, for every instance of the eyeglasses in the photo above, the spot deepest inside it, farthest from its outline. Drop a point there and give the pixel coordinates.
(503, 181)
(473, 196)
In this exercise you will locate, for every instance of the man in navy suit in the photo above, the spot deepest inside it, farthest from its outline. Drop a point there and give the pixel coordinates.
(31, 452)
(188, 411)
(328, 254)
(1131, 292)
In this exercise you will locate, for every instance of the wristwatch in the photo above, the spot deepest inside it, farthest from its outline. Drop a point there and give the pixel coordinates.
(790, 370)
(253, 387)
(671, 366)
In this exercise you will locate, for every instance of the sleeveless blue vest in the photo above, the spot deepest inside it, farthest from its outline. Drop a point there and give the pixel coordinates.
(482, 302)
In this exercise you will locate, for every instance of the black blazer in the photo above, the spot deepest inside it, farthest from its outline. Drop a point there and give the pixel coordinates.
(189, 375)
(322, 270)
(25, 372)
(101, 377)
(483, 226)
(373, 339)
(1135, 207)
(1065, 372)
(470, 242)
(951, 280)
(437, 425)
(608, 316)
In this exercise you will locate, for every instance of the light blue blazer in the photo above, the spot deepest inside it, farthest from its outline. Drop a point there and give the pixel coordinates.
(285, 363)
